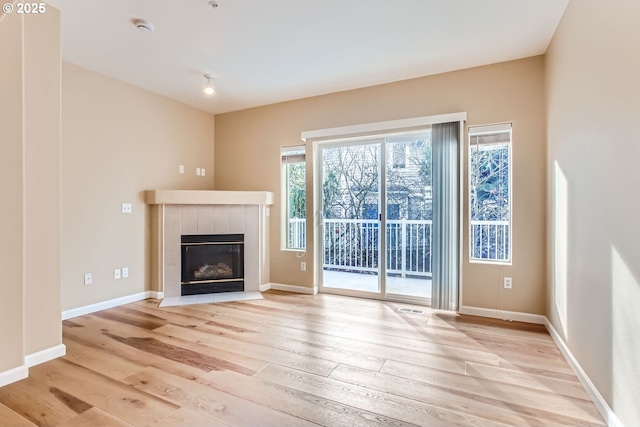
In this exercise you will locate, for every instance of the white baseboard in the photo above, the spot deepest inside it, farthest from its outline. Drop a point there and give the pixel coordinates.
(265, 287)
(22, 372)
(13, 375)
(92, 308)
(155, 295)
(607, 413)
(503, 314)
(45, 355)
(291, 288)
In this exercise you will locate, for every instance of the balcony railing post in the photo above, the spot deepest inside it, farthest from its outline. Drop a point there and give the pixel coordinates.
(403, 242)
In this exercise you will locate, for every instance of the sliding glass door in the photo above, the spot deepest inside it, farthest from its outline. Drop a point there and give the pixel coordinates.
(376, 216)
(350, 212)
(409, 216)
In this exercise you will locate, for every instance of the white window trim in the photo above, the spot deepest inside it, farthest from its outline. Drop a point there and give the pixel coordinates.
(373, 129)
(284, 188)
(500, 127)
(487, 129)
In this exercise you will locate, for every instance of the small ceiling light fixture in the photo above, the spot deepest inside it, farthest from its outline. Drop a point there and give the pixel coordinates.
(208, 88)
(142, 25)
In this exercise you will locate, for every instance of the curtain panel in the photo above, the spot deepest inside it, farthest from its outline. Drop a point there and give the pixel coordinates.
(445, 140)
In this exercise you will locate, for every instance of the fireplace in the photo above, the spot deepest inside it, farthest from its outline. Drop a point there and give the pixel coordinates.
(212, 263)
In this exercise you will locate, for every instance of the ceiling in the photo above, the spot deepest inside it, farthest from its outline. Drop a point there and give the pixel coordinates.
(263, 52)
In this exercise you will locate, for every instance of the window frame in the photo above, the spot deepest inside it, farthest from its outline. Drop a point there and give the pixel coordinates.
(286, 153)
(487, 130)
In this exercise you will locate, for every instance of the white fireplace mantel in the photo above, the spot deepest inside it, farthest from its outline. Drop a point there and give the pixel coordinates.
(204, 197)
(178, 212)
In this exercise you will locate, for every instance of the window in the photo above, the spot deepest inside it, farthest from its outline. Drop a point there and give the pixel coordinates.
(490, 193)
(294, 212)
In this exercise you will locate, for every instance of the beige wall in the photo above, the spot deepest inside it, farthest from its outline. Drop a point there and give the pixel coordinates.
(42, 181)
(593, 93)
(29, 186)
(117, 141)
(248, 146)
(11, 195)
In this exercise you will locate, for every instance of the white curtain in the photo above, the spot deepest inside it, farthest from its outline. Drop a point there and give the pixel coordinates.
(445, 240)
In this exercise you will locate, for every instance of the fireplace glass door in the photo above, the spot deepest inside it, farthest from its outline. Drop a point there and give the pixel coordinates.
(212, 263)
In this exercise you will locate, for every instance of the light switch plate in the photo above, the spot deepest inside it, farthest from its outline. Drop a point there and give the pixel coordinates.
(88, 278)
(125, 272)
(116, 274)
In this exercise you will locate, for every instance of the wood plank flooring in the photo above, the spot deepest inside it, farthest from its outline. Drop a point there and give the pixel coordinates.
(298, 360)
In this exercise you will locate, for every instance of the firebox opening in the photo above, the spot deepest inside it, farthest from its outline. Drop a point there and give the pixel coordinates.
(212, 263)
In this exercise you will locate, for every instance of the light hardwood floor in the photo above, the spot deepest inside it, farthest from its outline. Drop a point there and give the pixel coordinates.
(298, 360)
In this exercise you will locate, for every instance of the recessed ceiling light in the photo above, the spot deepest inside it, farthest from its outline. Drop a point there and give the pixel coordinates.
(142, 25)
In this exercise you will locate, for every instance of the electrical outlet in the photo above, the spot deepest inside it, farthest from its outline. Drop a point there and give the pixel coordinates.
(303, 266)
(117, 274)
(181, 168)
(125, 272)
(88, 278)
(508, 283)
(127, 208)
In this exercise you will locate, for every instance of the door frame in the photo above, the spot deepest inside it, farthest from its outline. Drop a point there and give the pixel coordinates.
(369, 131)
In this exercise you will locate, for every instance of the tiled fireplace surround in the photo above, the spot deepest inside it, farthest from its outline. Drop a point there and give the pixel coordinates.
(174, 213)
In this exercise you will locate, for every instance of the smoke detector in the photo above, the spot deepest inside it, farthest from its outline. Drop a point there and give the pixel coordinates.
(142, 25)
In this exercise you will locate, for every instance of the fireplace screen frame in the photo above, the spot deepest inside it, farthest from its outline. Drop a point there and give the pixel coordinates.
(230, 246)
